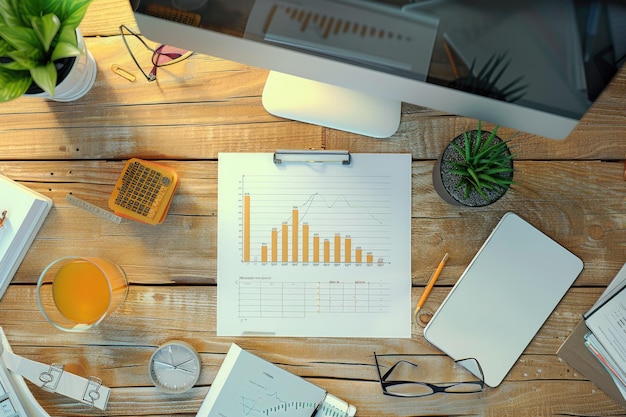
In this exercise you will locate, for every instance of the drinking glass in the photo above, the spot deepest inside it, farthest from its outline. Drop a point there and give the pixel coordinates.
(75, 293)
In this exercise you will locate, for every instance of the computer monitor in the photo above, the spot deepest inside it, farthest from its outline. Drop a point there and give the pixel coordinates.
(531, 65)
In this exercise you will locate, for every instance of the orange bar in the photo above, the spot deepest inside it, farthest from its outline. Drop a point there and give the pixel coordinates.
(348, 250)
(359, 255)
(246, 228)
(294, 235)
(316, 248)
(326, 251)
(264, 253)
(337, 248)
(369, 258)
(274, 245)
(285, 242)
(305, 242)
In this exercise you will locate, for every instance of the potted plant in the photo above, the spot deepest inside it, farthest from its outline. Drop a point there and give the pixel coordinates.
(42, 50)
(475, 169)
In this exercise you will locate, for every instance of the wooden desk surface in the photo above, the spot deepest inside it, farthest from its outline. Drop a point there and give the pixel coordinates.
(574, 190)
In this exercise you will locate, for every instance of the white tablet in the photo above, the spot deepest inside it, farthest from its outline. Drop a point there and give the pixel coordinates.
(503, 298)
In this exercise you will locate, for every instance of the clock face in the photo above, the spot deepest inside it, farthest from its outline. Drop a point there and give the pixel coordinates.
(174, 367)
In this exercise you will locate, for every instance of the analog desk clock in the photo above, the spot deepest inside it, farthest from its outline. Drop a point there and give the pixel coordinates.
(174, 367)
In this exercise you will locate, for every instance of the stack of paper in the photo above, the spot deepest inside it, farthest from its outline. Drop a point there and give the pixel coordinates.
(26, 211)
(606, 321)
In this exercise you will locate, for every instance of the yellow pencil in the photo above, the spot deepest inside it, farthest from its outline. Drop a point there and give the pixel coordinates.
(431, 283)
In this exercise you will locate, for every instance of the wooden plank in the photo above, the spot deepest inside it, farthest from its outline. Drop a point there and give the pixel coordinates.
(584, 213)
(104, 17)
(194, 110)
(118, 354)
(190, 311)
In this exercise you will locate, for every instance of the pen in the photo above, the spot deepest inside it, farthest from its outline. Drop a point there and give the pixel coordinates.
(317, 408)
(430, 284)
(3, 218)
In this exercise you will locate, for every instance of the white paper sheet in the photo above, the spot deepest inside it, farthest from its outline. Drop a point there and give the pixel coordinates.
(361, 284)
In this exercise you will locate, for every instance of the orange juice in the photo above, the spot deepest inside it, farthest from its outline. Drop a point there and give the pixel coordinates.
(82, 289)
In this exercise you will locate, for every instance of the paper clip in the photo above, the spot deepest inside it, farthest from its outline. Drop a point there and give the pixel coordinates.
(92, 394)
(51, 378)
(123, 73)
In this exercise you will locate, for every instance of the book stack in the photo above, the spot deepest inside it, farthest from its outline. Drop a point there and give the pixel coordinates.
(588, 348)
(24, 212)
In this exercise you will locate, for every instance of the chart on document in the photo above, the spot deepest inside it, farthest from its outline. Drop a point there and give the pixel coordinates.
(314, 248)
(331, 220)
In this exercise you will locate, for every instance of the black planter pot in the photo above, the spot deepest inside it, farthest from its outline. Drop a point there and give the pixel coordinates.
(445, 182)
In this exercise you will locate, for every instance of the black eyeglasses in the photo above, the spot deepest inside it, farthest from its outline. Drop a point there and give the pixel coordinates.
(410, 389)
(161, 56)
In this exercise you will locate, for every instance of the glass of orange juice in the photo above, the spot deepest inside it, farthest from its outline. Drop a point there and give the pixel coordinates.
(75, 294)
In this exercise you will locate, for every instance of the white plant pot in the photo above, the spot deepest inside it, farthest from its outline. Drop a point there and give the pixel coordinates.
(80, 79)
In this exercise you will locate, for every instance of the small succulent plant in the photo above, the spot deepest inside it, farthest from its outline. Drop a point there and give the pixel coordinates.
(482, 163)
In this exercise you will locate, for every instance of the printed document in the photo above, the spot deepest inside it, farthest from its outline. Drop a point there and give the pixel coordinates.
(313, 248)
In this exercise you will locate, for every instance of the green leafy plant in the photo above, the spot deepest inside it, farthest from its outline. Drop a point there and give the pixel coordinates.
(482, 164)
(35, 36)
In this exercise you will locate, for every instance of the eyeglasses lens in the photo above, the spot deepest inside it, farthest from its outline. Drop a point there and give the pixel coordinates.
(167, 55)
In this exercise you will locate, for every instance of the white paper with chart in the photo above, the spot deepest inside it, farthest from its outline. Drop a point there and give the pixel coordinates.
(319, 249)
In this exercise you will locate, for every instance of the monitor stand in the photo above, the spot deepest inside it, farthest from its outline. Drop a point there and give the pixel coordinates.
(327, 105)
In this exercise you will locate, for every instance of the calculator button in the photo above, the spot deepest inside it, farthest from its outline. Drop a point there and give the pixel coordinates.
(7, 409)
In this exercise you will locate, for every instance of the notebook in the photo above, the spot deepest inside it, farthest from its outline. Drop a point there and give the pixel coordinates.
(503, 298)
(247, 385)
(26, 211)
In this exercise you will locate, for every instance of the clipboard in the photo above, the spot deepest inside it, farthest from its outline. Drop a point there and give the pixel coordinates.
(503, 298)
(330, 231)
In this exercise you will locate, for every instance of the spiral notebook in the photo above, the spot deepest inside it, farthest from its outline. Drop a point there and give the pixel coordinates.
(24, 212)
(503, 298)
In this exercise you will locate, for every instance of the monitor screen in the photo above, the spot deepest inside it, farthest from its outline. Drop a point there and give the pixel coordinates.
(532, 65)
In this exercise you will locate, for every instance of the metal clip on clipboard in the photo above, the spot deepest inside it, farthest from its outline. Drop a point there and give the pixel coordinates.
(317, 156)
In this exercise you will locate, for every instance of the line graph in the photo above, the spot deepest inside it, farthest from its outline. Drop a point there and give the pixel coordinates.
(333, 220)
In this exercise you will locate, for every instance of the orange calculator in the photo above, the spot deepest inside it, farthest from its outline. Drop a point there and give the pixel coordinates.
(144, 191)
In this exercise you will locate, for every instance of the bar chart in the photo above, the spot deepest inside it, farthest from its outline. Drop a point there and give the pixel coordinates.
(311, 244)
(329, 221)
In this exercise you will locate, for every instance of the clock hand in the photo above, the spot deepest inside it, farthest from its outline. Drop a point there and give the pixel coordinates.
(169, 365)
(174, 367)
(183, 362)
